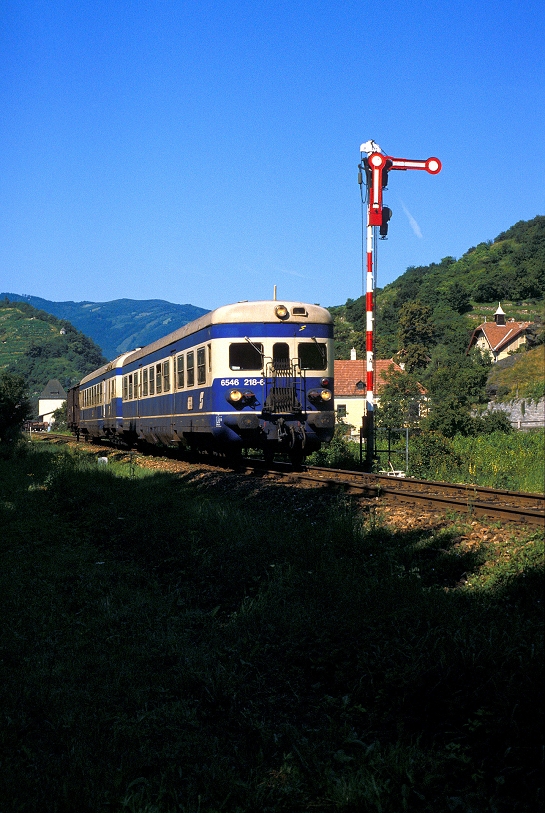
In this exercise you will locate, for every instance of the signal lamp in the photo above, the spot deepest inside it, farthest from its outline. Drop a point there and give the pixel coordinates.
(386, 215)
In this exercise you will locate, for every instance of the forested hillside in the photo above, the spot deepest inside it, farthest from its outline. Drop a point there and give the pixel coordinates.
(119, 325)
(38, 347)
(425, 319)
(456, 295)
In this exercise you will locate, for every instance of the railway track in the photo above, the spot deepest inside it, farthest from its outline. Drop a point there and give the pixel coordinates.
(478, 501)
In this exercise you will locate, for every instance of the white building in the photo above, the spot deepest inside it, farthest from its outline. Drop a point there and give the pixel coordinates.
(51, 399)
(500, 337)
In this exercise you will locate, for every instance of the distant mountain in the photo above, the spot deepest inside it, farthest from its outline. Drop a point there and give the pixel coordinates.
(39, 347)
(121, 324)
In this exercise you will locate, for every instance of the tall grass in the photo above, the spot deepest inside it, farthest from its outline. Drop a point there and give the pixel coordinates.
(511, 461)
(167, 647)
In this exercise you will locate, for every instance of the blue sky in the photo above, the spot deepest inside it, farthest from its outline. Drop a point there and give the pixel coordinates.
(202, 152)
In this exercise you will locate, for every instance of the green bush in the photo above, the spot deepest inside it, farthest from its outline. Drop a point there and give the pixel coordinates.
(433, 456)
(340, 453)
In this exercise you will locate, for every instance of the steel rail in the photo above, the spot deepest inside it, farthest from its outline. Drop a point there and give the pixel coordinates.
(479, 501)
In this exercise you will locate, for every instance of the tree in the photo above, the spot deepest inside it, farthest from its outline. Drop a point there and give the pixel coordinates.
(14, 406)
(60, 417)
(400, 401)
(415, 335)
(457, 297)
(456, 384)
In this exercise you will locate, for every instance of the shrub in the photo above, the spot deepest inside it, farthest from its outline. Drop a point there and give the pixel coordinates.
(432, 455)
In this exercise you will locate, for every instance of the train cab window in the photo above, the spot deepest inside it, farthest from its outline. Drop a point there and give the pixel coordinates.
(158, 378)
(201, 366)
(191, 369)
(152, 380)
(312, 355)
(281, 355)
(166, 376)
(180, 372)
(246, 356)
(144, 382)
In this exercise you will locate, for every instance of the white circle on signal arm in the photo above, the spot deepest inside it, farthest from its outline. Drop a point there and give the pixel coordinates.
(376, 160)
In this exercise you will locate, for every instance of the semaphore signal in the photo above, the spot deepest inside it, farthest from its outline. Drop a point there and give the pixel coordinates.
(376, 167)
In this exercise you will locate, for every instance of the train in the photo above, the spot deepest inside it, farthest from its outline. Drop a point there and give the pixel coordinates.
(247, 376)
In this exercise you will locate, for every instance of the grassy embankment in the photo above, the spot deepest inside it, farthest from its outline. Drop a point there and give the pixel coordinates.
(510, 461)
(171, 648)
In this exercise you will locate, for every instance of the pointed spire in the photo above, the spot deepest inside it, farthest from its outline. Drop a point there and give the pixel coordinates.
(499, 316)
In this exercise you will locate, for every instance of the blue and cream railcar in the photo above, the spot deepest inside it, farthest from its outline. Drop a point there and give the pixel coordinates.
(95, 407)
(249, 375)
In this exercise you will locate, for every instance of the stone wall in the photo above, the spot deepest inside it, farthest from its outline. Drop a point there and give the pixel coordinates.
(523, 414)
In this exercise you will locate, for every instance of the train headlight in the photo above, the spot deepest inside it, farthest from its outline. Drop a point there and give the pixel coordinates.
(282, 312)
(235, 396)
(325, 395)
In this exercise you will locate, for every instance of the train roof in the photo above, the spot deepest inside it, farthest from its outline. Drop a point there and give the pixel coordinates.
(106, 368)
(263, 311)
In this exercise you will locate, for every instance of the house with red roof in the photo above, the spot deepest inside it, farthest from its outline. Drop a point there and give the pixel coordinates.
(500, 337)
(350, 390)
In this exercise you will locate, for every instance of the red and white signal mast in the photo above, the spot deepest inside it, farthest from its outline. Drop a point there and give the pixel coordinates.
(376, 167)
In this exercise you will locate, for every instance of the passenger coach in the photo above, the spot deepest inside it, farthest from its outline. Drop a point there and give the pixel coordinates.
(250, 375)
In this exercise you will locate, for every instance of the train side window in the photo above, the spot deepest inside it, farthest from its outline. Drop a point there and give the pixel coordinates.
(209, 358)
(158, 379)
(201, 366)
(130, 388)
(125, 387)
(312, 355)
(180, 372)
(191, 369)
(144, 382)
(152, 380)
(166, 375)
(246, 356)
